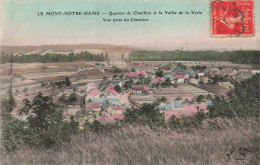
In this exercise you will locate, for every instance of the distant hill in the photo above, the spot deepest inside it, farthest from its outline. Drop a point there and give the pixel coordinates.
(65, 49)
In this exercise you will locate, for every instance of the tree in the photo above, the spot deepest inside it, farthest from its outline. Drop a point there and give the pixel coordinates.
(121, 76)
(163, 99)
(62, 99)
(73, 124)
(133, 70)
(104, 78)
(72, 98)
(180, 65)
(45, 120)
(117, 88)
(67, 81)
(199, 98)
(159, 73)
(167, 83)
(128, 84)
(146, 114)
(242, 101)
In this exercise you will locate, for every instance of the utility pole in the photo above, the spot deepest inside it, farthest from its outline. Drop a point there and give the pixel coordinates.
(11, 99)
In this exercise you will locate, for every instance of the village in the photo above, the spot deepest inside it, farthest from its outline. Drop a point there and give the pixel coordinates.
(103, 91)
(180, 91)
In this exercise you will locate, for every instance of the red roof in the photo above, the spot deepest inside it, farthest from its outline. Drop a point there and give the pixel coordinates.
(188, 110)
(94, 92)
(179, 76)
(222, 72)
(213, 72)
(119, 109)
(118, 117)
(110, 89)
(157, 80)
(115, 117)
(192, 79)
(140, 87)
(106, 117)
(114, 92)
(232, 74)
(92, 105)
(91, 84)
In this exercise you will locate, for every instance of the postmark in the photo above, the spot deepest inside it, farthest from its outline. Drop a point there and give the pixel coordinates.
(232, 18)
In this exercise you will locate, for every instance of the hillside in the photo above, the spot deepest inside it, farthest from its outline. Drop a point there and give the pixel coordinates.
(204, 144)
(64, 49)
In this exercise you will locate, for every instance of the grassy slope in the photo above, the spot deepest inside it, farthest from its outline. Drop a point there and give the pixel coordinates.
(207, 144)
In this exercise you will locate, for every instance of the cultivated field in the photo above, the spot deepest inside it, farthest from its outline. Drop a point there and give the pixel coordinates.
(208, 143)
(186, 91)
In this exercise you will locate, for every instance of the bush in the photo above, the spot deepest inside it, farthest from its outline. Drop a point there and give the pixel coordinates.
(44, 125)
(242, 101)
(72, 98)
(146, 114)
(14, 133)
(62, 99)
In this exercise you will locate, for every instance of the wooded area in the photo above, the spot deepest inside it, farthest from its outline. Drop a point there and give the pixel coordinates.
(239, 56)
(48, 57)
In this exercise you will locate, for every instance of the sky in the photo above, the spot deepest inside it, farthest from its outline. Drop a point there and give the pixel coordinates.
(20, 24)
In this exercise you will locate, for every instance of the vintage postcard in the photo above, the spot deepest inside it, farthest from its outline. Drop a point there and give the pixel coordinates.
(148, 82)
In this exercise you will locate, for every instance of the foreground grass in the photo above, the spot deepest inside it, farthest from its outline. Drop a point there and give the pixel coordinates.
(204, 144)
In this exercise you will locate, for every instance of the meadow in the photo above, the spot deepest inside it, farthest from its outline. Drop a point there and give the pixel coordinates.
(206, 143)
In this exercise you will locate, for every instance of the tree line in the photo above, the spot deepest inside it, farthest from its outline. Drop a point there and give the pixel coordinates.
(239, 56)
(48, 57)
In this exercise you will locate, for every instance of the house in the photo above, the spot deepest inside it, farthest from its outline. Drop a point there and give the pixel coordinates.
(232, 74)
(99, 100)
(206, 70)
(163, 107)
(193, 81)
(114, 110)
(118, 117)
(112, 93)
(158, 80)
(213, 72)
(151, 76)
(177, 105)
(179, 77)
(169, 76)
(93, 106)
(86, 88)
(187, 110)
(204, 79)
(106, 118)
(138, 89)
(186, 76)
(118, 110)
(116, 82)
(93, 94)
(110, 103)
(191, 73)
(200, 73)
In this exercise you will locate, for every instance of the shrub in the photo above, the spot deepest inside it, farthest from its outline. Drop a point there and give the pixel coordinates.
(72, 98)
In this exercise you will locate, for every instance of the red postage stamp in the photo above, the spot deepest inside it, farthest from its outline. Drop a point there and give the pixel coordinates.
(232, 18)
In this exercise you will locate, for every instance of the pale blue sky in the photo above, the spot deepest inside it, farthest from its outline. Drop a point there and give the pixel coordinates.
(20, 24)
